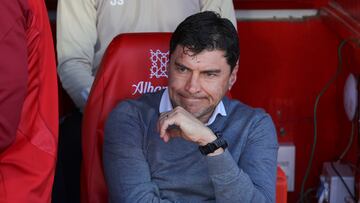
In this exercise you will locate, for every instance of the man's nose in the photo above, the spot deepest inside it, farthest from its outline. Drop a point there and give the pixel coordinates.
(193, 84)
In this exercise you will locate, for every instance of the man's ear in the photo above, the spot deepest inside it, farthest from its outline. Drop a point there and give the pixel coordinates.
(233, 75)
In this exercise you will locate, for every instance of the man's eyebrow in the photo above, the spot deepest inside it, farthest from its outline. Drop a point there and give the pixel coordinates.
(215, 70)
(212, 71)
(181, 65)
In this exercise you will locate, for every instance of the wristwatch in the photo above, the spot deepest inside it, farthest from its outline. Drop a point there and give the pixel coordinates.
(212, 146)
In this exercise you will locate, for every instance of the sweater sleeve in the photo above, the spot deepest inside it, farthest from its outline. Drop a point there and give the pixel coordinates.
(224, 7)
(13, 70)
(127, 172)
(76, 39)
(253, 178)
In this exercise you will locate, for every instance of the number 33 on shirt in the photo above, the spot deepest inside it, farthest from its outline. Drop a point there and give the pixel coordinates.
(117, 2)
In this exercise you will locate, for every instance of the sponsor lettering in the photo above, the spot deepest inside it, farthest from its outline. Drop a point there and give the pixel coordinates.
(146, 87)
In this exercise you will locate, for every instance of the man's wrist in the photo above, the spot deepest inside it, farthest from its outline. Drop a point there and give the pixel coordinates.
(215, 147)
(207, 140)
(217, 152)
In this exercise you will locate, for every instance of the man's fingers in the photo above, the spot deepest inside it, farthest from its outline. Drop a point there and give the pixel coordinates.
(173, 130)
(166, 138)
(167, 127)
(161, 122)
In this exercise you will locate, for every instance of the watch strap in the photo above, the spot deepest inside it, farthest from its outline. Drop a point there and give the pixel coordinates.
(212, 146)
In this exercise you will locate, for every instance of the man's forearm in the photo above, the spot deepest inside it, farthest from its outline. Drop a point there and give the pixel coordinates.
(253, 177)
(76, 39)
(231, 184)
(76, 79)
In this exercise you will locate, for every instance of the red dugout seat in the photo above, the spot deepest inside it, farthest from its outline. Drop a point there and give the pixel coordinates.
(132, 65)
(27, 167)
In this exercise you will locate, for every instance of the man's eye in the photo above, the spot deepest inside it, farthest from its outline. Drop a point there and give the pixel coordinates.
(181, 69)
(210, 74)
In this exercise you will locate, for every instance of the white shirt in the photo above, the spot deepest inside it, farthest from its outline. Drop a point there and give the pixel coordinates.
(86, 27)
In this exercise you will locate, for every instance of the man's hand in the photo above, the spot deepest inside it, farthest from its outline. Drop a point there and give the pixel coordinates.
(180, 123)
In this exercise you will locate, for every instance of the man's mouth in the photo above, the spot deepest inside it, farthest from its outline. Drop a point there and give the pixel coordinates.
(191, 98)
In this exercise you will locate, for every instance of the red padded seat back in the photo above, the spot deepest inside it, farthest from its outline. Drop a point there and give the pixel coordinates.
(133, 64)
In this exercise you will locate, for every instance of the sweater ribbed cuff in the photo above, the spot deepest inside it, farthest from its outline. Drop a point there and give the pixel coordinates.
(221, 164)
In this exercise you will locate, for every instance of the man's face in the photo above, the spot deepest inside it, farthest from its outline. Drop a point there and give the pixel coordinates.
(198, 82)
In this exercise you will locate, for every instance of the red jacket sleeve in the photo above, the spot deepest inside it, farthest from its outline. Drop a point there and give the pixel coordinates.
(13, 69)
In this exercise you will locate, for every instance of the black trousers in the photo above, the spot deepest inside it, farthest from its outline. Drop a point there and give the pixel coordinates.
(66, 188)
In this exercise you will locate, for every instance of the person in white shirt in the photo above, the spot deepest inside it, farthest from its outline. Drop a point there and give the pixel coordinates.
(86, 27)
(84, 30)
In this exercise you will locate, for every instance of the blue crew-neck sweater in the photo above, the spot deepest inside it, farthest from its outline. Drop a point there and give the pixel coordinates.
(140, 167)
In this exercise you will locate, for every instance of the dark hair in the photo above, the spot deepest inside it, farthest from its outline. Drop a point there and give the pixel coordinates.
(207, 31)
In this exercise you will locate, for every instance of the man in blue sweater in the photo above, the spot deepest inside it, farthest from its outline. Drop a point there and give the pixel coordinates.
(190, 143)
